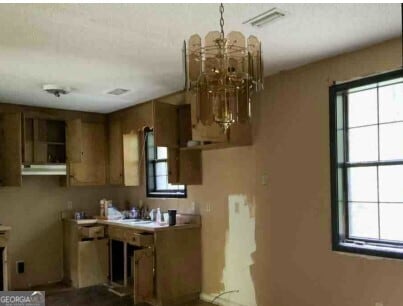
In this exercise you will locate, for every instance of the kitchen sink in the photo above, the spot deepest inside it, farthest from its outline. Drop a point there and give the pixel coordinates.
(134, 221)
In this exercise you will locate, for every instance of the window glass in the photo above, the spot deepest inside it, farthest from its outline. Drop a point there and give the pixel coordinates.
(362, 183)
(363, 144)
(367, 165)
(363, 220)
(391, 103)
(391, 221)
(157, 171)
(362, 108)
(391, 184)
(390, 147)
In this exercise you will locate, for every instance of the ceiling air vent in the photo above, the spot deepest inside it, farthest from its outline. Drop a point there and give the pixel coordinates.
(265, 18)
(117, 91)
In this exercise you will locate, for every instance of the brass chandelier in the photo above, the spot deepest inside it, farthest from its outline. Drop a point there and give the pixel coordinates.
(222, 75)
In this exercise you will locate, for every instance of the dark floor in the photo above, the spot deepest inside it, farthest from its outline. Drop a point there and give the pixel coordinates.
(97, 296)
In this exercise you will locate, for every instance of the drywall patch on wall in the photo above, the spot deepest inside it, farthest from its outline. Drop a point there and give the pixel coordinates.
(240, 245)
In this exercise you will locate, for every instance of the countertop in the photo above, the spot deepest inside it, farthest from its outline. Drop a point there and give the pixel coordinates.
(4, 228)
(150, 227)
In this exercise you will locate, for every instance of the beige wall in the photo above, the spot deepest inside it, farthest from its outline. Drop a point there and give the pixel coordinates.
(286, 260)
(33, 212)
(288, 256)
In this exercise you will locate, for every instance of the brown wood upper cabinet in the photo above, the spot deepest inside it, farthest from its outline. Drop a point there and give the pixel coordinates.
(86, 153)
(124, 160)
(172, 129)
(44, 141)
(165, 120)
(115, 152)
(10, 149)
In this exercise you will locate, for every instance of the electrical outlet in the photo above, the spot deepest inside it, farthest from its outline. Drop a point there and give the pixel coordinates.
(20, 266)
(208, 207)
(378, 304)
(70, 205)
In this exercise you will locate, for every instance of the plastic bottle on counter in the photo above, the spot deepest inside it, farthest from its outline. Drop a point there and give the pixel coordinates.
(159, 216)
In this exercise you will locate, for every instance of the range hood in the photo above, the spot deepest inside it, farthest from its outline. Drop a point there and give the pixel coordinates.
(44, 169)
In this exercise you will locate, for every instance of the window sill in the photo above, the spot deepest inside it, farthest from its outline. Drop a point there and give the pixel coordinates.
(369, 249)
(162, 195)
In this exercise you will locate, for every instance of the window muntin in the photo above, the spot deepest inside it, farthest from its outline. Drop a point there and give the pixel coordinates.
(367, 164)
(157, 171)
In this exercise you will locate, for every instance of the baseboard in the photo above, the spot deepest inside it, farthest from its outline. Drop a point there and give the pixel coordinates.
(220, 301)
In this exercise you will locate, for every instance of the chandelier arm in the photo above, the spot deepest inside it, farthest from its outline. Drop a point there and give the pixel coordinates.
(222, 20)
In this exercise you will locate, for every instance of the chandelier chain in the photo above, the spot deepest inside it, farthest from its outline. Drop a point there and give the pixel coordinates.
(222, 19)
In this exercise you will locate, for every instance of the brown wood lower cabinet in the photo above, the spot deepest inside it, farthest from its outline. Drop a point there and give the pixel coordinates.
(85, 260)
(92, 262)
(166, 263)
(178, 266)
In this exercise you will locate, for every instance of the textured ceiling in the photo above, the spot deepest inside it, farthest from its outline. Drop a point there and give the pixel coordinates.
(94, 48)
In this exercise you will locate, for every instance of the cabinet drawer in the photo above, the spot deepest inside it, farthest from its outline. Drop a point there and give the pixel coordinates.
(116, 233)
(3, 241)
(139, 239)
(92, 232)
(131, 236)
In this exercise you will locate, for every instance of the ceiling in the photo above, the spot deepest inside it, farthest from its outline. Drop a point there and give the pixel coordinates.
(94, 48)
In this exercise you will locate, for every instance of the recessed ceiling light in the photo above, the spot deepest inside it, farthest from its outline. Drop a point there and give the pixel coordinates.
(118, 91)
(265, 18)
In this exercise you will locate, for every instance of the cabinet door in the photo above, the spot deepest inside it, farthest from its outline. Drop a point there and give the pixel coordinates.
(173, 166)
(184, 167)
(93, 262)
(27, 141)
(190, 167)
(143, 275)
(91, 170)
(185, 124)
(131, 160)
(115, 152)
(74, 140)
(40, 141)
(165, 117)
(10, 149)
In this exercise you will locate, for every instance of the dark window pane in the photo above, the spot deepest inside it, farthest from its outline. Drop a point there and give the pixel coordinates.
(340, 146)
(151, 153)
(339, 112)
(150, 169)
(151, 182)
(340, 184)
(150, 139)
